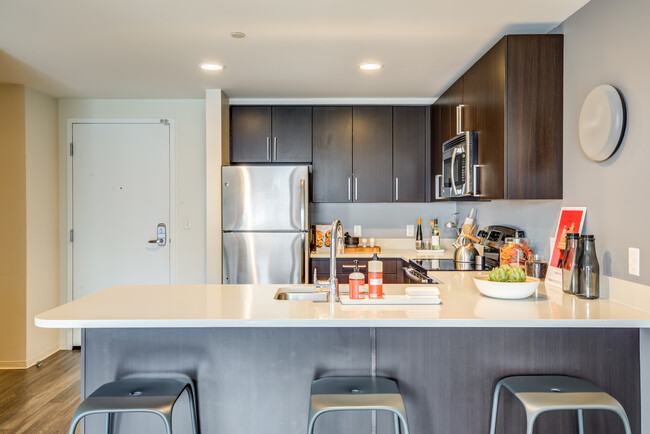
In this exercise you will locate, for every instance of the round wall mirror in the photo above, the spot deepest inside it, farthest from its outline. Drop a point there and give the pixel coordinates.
(602, 122)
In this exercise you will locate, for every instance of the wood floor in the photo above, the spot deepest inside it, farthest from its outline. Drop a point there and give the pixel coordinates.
(41, 399)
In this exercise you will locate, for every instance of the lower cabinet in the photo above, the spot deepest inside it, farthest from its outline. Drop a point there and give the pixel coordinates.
(344, 267)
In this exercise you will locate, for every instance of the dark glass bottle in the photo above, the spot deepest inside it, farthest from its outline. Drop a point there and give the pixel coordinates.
(589, 269)
(418, 235)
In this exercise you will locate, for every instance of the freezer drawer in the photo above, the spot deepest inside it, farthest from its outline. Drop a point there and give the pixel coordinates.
(265, 198)
(254, 257)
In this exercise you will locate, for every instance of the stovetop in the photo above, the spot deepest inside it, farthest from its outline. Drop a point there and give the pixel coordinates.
(433, 264)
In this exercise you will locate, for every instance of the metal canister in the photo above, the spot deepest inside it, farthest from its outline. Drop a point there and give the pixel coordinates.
(571, 264)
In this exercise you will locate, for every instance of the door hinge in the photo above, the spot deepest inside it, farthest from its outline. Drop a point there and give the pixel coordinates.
(164, 121)
(71, 235)
(71, 149)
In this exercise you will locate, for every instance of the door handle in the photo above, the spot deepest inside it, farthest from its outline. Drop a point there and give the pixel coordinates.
(268, 149)
(275, 148)
(396, 189)
(355, 187)
(161, 235)
(459, 118)
(438, 194)
(349, 189)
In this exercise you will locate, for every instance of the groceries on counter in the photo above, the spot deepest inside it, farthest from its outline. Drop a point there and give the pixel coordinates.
(515, 251)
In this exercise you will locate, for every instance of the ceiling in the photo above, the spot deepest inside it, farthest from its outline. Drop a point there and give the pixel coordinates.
(293, 48)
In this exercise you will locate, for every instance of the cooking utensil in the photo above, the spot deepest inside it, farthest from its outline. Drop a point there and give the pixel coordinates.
(465, 257)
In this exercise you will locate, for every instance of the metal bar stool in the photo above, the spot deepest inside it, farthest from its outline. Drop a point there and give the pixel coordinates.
(356, 393)
(135, 394)
(540, 393)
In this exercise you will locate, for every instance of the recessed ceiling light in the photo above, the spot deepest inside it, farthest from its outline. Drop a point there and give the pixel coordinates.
(370, 66)
(211, 67)
(238, 35)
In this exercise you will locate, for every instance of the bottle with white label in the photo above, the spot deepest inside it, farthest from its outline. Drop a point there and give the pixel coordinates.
(375, 278)
(435, 235)
(357, 280)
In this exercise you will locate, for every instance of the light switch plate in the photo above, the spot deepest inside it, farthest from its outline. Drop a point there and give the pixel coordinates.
(357, 230)
(410, 230)
(187, 223)
(634, 259)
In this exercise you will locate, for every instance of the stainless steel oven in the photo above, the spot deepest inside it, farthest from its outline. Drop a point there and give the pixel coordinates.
(460, 166)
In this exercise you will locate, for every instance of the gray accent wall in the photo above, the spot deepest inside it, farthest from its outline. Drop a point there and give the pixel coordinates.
(383, 220)
(605, 43)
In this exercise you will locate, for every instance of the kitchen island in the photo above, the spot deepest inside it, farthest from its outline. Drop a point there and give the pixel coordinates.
(253, 358)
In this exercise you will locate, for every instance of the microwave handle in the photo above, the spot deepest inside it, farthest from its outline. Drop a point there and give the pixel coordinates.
(453, 175)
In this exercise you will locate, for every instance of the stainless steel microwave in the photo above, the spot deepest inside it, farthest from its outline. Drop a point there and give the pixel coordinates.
(459, 167)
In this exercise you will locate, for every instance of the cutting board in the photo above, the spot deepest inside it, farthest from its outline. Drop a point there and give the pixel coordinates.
(375, 249)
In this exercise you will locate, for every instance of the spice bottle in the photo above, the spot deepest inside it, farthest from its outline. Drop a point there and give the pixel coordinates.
(571, 264)
(589, 269)
(375, 278)
(357, 280)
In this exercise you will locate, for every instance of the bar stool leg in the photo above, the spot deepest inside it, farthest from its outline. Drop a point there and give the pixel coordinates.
(581, 423)
(530, 421)
(626, 422)
(396, 419)
(495, 408)
(193, 410)
(109, 423)
(167, 419)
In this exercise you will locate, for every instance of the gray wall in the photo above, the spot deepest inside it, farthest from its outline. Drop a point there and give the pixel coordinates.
(383, 220)
(605, 43)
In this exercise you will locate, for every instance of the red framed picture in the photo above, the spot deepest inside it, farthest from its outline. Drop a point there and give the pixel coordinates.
(571, 220)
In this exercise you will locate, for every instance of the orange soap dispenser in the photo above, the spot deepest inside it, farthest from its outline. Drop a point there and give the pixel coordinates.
(357, 280)
(375, 278)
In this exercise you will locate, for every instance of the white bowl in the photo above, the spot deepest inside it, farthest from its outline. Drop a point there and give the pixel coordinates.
(507, 290)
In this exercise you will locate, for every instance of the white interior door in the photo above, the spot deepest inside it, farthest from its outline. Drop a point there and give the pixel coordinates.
(120, 200)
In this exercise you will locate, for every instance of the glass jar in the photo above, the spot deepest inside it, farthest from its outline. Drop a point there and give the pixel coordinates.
(536, 266)
(515, 251)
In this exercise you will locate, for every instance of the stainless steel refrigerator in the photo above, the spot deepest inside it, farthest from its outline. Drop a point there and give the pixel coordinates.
(265, 224)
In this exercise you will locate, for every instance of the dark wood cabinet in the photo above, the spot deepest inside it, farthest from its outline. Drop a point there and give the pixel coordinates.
(250, 134)
(332, 154)
(291, 130)
(513, 97)
(270, 134)
(392, 269)
(435, 179)
(372, 154)
(409, 153)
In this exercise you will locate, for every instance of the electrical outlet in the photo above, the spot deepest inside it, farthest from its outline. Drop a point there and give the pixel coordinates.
(187, 223)
(634, 261)
(357, 230)
(410, 230)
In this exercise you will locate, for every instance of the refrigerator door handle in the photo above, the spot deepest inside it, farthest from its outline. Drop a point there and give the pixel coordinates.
(305, 266)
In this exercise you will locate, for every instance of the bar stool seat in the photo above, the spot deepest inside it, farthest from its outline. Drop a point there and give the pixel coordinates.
(541, 393)
(134, 394)
(356, 393)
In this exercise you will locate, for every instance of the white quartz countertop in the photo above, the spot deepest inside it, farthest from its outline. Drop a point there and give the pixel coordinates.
(145, 306)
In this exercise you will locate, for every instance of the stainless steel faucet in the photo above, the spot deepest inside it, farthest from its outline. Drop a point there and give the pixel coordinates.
(336, 236)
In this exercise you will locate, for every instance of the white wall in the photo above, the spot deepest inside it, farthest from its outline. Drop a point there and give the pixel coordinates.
(190, 126)
(42, 202)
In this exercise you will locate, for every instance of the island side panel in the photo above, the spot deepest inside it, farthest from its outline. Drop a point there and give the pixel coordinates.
(447, 375)
(249, 380)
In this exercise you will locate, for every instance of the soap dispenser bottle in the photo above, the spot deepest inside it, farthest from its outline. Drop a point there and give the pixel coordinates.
(357, 280)
(375, 278)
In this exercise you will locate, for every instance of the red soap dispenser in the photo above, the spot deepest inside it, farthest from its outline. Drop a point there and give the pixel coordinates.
(357, 280)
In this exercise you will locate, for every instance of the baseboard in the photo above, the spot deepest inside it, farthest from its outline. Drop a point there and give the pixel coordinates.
(24, 364)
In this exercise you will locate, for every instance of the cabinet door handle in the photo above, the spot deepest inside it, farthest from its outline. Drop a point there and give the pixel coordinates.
(396, 189)
(475, 181)
(459, 119)
(268, 149)
(275, 148)
(437, 187)
(349, 189)
(355, 187)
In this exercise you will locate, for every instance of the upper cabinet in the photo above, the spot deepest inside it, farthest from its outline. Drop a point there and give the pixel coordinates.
(279, 134)
(372, 154)
(332, 158)
(513, 97)
(411, 130)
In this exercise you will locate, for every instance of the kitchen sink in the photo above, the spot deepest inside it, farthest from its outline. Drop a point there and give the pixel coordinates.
(304, 293)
